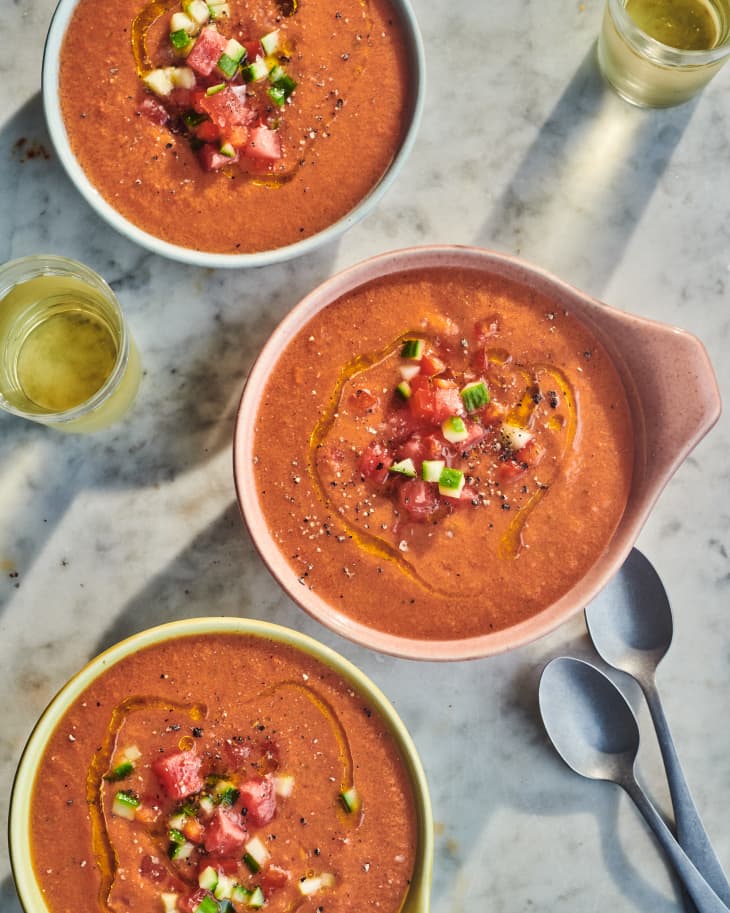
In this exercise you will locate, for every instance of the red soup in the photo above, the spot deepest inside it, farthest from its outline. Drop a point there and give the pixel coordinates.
(239, 125)
(441, 454)
(219, 774)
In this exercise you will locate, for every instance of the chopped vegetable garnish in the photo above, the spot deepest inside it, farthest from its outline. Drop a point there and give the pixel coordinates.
(270, 42)
(175, 836)
(257, 898)
(315, 883)
(451, 482)
(431, 470)
(454, 429)
(412, 348)
(180, 39)
(125, 804)
(120, 771)
(405, 468)
(475, 395)
(350, 798)
(207, 905)
(256, 855)
(214, 90)
(255, 71)
(404, 388)
(284, 785)
(514, 436)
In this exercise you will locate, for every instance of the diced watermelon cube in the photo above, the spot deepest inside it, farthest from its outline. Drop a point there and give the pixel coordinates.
(223, 835)
(263, 143)
(258, 797)
(226, 108)
(206, 51)
(179, 773)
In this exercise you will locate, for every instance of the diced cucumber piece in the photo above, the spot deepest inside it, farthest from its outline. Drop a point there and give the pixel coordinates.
(224, 889)
(255, 71)
(181, 22)
(431, 470)
(175, 836)
(235, 50)
(270, 42)
(180, 850)
(207, 805)
(240, 894)
(514, 436)
(475, 395)
(454, 429)
(219, 10)
(451, 482)
(256, 898)
(405, 468)
(256, 855)
(198, 11)
(412, 348)
(284, 785)
(180, 40)
(214, 90)
(207, 905)
(315, 883)
(125, 804)
(120, 772)
(227, 65)
(159, 81)
(208, 878)
(408, 372)
(404, 388)
(183, 78)
(169, 902)
(350, 799)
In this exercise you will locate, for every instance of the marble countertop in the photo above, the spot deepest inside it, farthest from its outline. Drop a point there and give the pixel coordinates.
(522, 150)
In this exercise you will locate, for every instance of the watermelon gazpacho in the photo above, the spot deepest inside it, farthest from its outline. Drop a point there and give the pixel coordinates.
(239, 125)
(218, 774)
(451, 452)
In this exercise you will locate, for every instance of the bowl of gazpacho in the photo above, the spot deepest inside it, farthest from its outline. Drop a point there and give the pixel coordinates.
(233, 133)
(443, 453)
(220, 765)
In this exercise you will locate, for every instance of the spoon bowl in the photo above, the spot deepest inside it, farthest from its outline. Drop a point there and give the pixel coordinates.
(630, 621)
(630, 624)
(588, 721)
(595, 731)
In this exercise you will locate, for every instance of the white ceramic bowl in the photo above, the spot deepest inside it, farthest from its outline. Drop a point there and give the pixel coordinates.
(28, 887)
(673, 399)
(59, 137)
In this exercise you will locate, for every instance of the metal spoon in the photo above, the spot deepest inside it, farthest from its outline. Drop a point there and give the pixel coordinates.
(595, 732)
(630, 624)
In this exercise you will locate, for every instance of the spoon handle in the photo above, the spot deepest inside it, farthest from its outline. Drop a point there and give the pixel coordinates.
(699, 890)
(691, 833)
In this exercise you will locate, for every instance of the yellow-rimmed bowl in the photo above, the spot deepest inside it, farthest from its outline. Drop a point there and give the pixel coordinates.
(27, 884)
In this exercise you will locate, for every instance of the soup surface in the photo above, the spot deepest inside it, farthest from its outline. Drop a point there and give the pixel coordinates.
(337, 130)
(441, 454)
(217, 774)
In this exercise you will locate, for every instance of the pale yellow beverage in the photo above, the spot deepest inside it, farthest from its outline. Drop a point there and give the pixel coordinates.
(66, 357)
(662, 52)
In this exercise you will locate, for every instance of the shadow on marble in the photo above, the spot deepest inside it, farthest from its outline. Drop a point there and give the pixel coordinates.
(580, 190)
(198, 332)
(9, 902)
(565, 793)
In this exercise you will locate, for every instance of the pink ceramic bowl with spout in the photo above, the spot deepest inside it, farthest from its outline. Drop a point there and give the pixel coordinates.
(673, 400)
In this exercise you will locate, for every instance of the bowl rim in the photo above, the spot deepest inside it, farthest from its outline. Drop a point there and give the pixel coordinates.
(485, 260)
(29, 892)
(59, 138)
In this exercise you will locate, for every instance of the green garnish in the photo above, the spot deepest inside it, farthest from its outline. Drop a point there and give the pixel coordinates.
(412, 348)
(404, 388)
(127, 798)
(180, 39)
(192, 119)
(475, 395)
(350, 798)
(431, 470)
(251, 863)
(214, 90)
(405, 468)
(451, 482)
(207, 905)
(227, 796)
(227, 65)
(454, 429)
(175, 836)
(120, 772)
(257, 898)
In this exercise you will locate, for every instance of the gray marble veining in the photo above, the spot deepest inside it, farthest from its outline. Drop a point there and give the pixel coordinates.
(523, 150)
